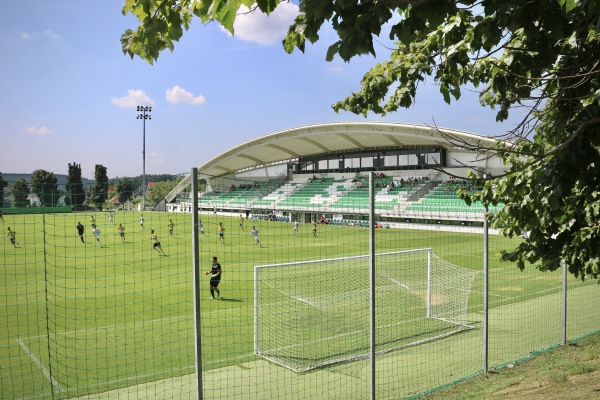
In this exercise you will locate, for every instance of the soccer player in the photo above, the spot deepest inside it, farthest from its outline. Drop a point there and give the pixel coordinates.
(11, 234)
(241, 222)
(93, 221)
(314, 227)
(215, 277)
(156, 246)
(142, 221)
(1, 215)
(110, 218)
(255, 234)
(80, 231)
(201, 226)
(296, 226)
(171, 227)
(221, 232)
(96, 232)
(121, 230)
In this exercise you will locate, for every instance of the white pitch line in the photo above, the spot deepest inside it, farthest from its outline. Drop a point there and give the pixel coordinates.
(492, 294)
(37, 362)
(38, 396)
(144, 322)
(144, 376)
(56, 384)
(186, 367)
(399, 283)
(290, 295)
(539, 293)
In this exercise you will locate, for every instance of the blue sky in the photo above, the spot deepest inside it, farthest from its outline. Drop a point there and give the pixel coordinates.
(69, 94)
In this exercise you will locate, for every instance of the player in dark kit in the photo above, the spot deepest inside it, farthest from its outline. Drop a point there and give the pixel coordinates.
(215, 278)
(80, 231)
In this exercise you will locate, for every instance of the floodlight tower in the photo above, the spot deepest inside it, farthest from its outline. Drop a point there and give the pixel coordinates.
(144, 114)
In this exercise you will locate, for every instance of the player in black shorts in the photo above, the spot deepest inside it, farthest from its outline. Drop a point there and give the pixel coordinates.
(80, 231)
(215, 278)
(11, 235)
(156, 245)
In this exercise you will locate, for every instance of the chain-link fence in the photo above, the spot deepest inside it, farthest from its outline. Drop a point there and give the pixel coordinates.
(106, 310)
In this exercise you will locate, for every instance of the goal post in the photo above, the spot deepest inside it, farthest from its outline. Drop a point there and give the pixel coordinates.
(309, 314)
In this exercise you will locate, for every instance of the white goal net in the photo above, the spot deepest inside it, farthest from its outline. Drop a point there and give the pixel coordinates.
(313, 313)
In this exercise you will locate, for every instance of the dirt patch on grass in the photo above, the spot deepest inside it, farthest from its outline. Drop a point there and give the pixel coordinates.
(583, 386)
(570, 372)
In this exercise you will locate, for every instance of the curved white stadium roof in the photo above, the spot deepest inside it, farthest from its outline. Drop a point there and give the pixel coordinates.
(333, 137)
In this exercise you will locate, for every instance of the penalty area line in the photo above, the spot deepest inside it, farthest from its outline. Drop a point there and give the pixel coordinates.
(53, 381)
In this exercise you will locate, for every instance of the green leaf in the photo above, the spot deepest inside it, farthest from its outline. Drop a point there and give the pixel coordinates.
(267, 6)
(332, 51)
(570, 5)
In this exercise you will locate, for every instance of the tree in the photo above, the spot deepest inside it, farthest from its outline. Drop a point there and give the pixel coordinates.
(539, 55)
(124, 188)
(160, 191)
(137, 180)
(100, 189)
(75, 193)
(45, 185)
(20, 191)
(3, 184)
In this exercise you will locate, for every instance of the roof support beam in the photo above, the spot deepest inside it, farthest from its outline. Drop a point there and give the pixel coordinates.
(314, 143)
(394, 140)
(225, 170)
(284, 150)
(351, 140)
(247, 157)
(179, 188)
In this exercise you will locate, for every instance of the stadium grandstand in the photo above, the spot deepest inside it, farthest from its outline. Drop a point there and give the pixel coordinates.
(323, 170)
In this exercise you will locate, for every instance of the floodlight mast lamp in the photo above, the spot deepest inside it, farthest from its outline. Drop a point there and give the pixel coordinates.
(144, 114)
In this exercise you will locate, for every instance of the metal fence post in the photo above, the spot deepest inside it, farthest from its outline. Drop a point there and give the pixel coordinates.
(485, 291)
(564, 306)
(372, 278)
(196, 279)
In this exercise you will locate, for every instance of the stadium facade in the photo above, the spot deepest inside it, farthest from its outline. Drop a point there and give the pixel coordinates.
(320, 170)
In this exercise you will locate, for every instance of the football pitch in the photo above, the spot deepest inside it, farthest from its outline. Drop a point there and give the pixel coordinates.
(79, 319)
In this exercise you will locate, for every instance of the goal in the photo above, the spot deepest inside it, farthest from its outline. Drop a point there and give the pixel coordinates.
(314, 313)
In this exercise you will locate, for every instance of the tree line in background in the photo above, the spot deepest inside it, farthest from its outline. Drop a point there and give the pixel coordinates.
(121, 191)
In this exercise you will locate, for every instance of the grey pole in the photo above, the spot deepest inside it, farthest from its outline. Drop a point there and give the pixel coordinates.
(564, 306)
(485, 290)
(196, 279)
(145, 114)
(372, 279)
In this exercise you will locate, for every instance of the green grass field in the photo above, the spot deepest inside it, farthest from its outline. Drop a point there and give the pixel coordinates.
(80, 319)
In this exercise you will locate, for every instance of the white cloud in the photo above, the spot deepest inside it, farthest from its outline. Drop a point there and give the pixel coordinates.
(40, 131)
(133, 99)
(262, 28)
(48, 33)
(179, 95)
(335, 69)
